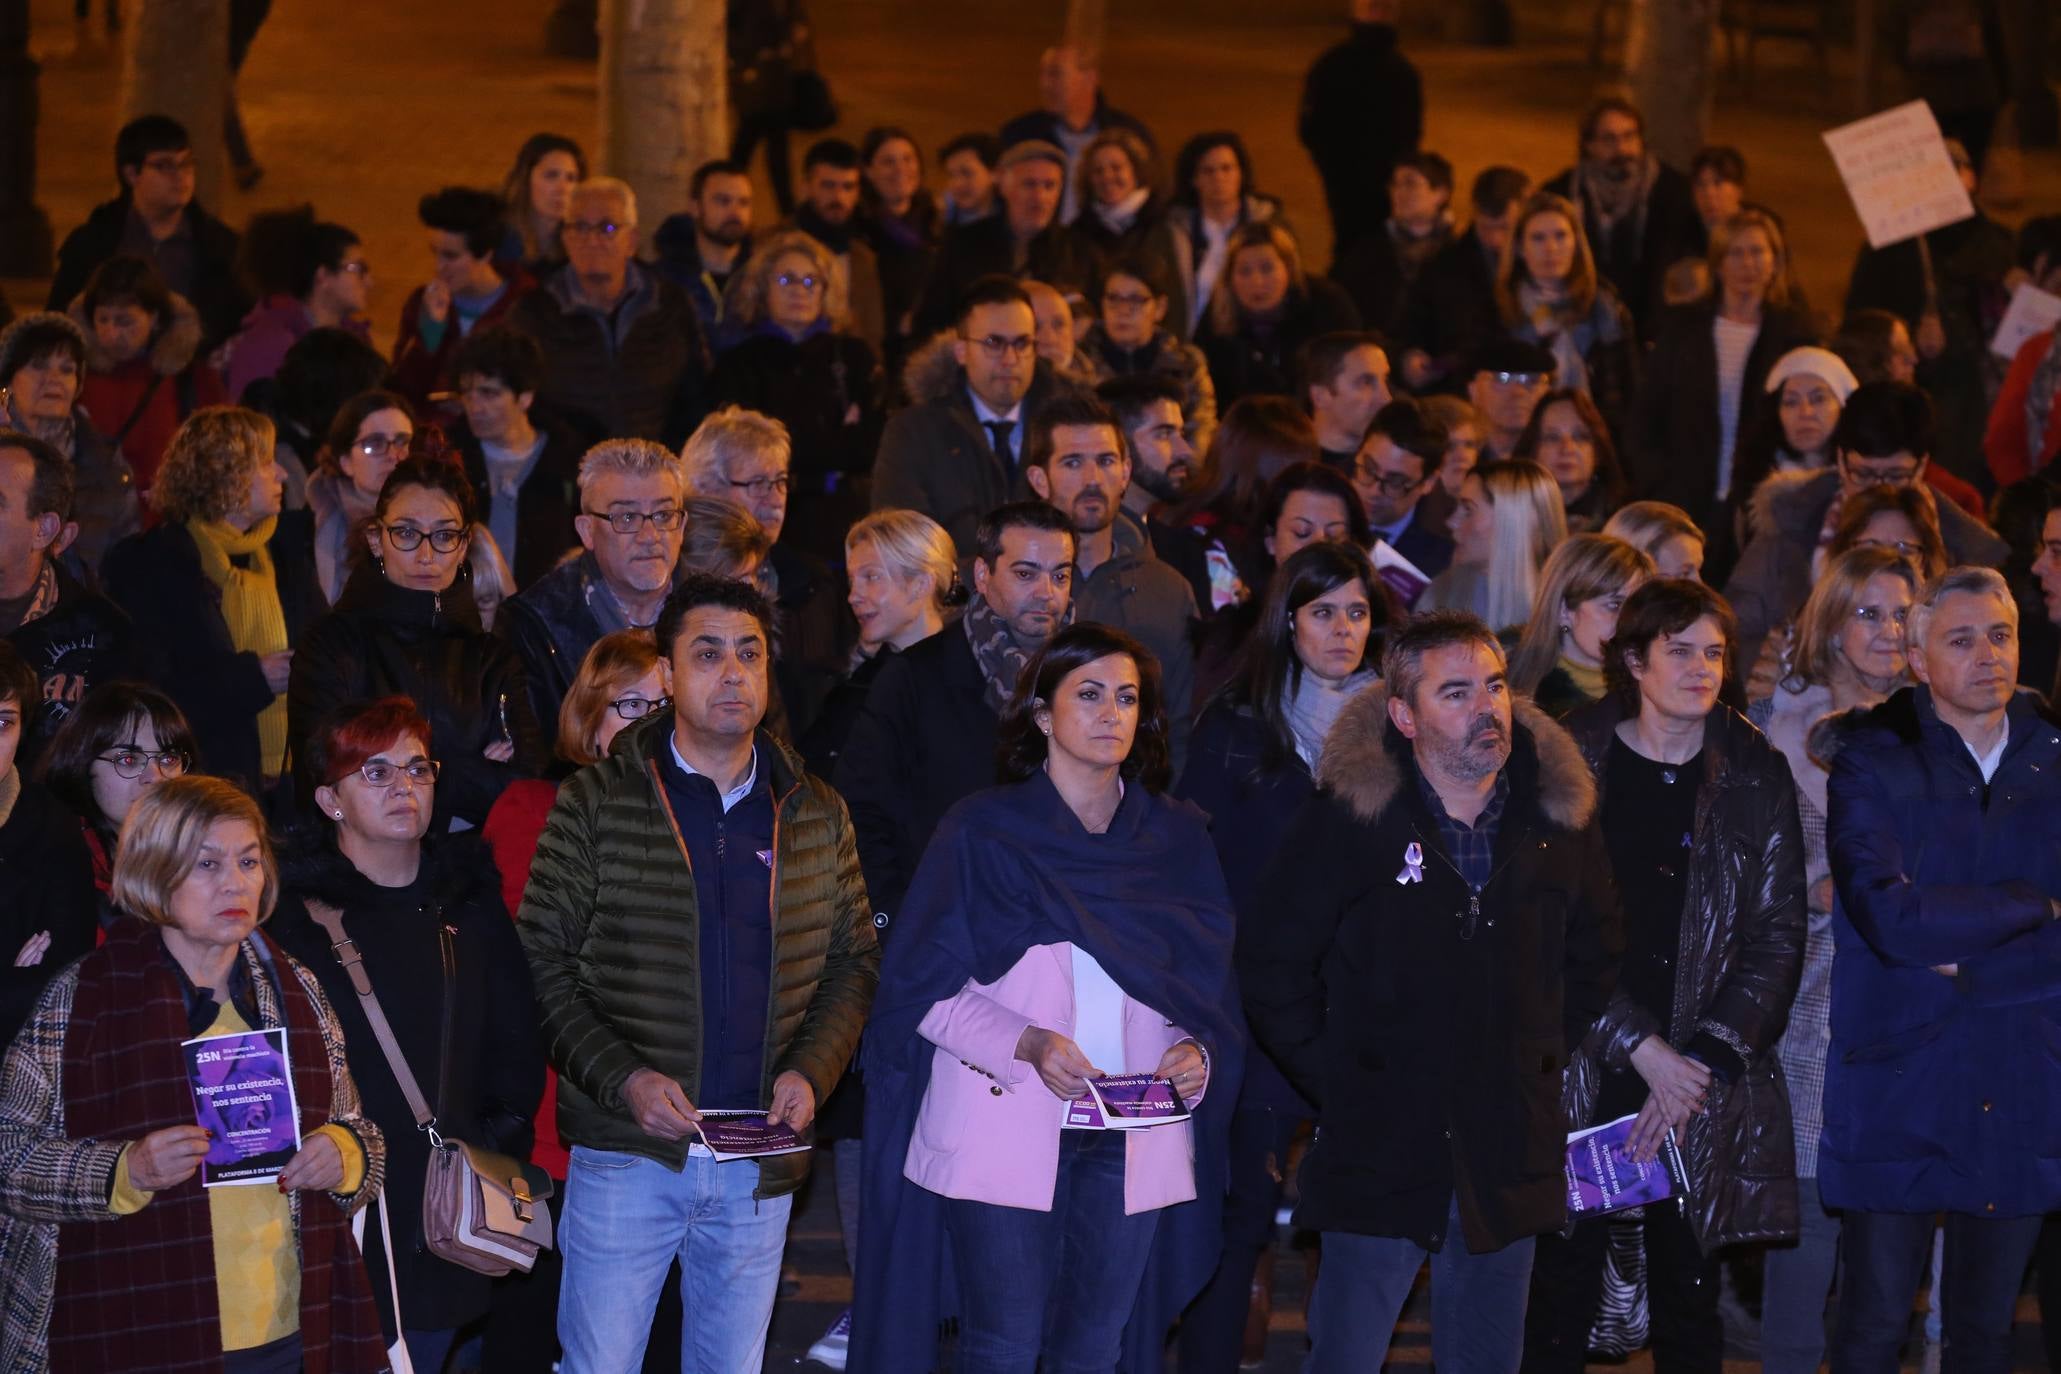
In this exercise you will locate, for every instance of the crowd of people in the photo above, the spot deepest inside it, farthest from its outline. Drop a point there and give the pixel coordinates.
(893, 665)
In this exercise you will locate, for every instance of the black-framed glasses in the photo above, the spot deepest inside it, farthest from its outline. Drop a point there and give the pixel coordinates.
(379, 773)
(591, 228)
(132, 763)
(806, 280)
(358, 267)
(1520, 378)
(1390, 484)
(1881, 477)
(665, 520)
(1126, 300)
(762, 487)
(170, 164)
(380, 445)
(636, 708)
(1003, 346)
(407, 538)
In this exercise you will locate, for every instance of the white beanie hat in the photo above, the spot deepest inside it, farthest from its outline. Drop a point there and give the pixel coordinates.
(1821, 363)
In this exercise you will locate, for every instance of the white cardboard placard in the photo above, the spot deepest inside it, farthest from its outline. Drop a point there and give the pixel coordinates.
(1899, 174)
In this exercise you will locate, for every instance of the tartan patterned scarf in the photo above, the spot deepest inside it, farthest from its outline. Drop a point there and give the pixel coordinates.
(138, 1294)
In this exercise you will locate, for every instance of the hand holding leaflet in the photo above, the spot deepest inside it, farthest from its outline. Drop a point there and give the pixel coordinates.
(746, 1133)
(1603, 1175)
(1125, 1102)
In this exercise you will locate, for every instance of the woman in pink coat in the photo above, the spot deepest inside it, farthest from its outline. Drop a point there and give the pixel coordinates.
(1069, 925)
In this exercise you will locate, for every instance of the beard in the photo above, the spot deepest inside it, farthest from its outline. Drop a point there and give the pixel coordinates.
(729, 232)
(1092, 513)
(1170, 484)
(1474, 755)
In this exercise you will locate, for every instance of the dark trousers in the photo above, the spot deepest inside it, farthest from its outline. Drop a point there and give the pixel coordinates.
(1682, 1285)
(773, 129)
(1051, 1291)
(1886, 1254)
(1213, 1328)
(522, 1327)
(282, 1356)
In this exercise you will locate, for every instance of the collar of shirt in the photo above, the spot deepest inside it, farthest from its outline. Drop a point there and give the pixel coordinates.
(1470, 848)
(1391, 533)
(735, 794)
(986, 416)
(202, 1007)
(1987, 763)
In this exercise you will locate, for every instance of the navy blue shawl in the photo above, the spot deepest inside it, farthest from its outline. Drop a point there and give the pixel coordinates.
(1010, 868)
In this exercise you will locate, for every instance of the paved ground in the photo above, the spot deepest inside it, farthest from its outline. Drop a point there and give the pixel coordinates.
(362, 108)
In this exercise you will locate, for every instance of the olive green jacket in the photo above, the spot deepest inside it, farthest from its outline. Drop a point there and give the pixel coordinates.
(611, 923)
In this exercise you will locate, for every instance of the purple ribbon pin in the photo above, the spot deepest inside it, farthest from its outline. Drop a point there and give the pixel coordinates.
(1413, 864)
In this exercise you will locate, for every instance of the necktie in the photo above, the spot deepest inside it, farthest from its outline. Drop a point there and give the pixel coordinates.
(998, 434)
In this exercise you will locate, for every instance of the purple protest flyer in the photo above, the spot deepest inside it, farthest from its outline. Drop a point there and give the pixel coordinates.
(242, 1085)
(746, 1134)
(1603, 1177)
(1131, 1101)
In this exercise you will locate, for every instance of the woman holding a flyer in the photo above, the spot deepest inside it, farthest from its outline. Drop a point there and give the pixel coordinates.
(1701, 821)
(1055, 1047)
(127, 1248)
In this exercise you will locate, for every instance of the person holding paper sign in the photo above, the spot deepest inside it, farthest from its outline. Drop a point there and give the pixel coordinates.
(1700, 820)
(1069, 924)
(100, 1191)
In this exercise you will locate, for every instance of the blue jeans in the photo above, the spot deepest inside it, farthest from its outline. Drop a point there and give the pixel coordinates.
(1799, 1278)
(1051, 1291)
(1477, 1302)
(626, 1218)
(1886, 1253)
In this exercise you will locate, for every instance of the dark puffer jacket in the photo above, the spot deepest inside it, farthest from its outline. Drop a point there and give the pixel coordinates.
(1743, 927)
(611, 923)
(384, 640)
(1434, 1058)
(640, 372)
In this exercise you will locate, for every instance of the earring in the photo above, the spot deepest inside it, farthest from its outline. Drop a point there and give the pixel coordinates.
(339, 815)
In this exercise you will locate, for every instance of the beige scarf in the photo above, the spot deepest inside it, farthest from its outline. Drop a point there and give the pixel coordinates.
(250, 605)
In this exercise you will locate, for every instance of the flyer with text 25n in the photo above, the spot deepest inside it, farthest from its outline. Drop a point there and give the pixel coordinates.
(242, 1086)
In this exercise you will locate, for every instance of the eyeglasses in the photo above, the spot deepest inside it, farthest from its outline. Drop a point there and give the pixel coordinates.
(665, 520)
(358, 267)
(1880, 477)
(1520, 378)
(407, 538)
(1902, 546)
(421, 772)
(1872, 615)
(131, 763)
(807, 280)
(380, 445)
(762, 487)
(589, 228)
(1393, 484)
(1002, 346)
(636, 708)
(170, 164)
(1126, 300)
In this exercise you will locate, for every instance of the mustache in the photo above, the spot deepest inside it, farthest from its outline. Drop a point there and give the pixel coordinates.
(1490, 723)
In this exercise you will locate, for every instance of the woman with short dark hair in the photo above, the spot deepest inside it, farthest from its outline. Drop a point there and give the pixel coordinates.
(144, 370)
(1700, 818)
(42, 373)
(120, 740)
(1066, 925)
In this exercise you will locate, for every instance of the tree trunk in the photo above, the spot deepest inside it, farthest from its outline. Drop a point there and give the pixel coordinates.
(664, 97)
(175, 61)
(1087, 22)
(1669, 67)
(24, 228)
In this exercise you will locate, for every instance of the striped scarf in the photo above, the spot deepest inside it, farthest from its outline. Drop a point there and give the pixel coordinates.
(250, 607)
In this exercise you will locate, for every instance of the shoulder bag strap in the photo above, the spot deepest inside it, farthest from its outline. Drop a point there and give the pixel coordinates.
(346, 949)
(157, 379)
(447, 948)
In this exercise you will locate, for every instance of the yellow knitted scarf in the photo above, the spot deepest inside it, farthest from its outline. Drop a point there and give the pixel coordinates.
(1588, 681)
(250, 605)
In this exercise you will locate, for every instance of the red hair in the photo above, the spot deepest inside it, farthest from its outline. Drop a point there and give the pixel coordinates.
(352, 734)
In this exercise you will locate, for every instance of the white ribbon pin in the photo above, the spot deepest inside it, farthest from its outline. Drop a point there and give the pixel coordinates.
(1413, 864)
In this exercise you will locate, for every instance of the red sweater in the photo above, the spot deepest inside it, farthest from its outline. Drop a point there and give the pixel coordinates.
(513, 827)
(2014, 453)
(112, 391)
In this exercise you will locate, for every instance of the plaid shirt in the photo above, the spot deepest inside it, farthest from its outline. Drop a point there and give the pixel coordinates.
(1472, 850)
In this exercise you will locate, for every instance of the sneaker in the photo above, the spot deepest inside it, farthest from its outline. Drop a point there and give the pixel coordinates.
(831, 1348)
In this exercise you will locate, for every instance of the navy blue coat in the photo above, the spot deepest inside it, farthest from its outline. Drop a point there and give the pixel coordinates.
(1944, 1093)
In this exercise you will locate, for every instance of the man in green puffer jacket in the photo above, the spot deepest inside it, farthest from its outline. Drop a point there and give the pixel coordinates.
(700, 938)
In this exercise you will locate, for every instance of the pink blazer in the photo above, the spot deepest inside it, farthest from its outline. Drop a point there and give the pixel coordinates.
(989, 1129)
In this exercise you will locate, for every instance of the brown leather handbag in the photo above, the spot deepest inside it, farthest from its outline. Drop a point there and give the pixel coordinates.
(481, 1210)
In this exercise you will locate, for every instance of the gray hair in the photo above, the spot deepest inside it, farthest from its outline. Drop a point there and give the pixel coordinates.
(1402, 662)
(627, 458)
(615, 188)
(1966, 578)
(732, 432)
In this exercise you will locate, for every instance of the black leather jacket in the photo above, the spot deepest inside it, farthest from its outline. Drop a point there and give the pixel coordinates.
(1743, 926)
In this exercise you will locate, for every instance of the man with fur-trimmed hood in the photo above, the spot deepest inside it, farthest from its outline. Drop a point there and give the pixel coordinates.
(1445, 931)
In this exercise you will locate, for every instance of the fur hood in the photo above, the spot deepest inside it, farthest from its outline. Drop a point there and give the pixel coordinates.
(171, 353)
(1363, 763)
(1785, 503)
(932, 373)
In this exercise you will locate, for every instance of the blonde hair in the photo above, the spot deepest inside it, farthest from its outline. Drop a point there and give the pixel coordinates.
(1646, 525)
(206, 473)
(490, 570)
(910, 544)
(1832, 603)
(1582, 569)
(594, 188)
(746, 300)
(615, 661)
(1581, 278)
(722, 538)
(1223, 305)
(628, 458)
(161, 839)
(1529, 522)
(1744, 222)
(731, 432)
